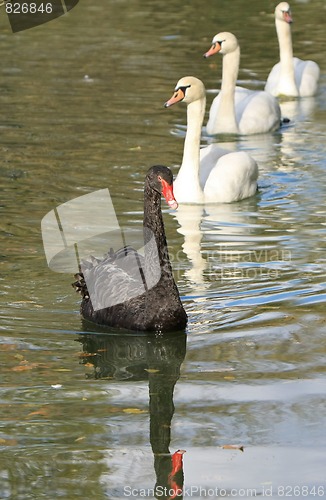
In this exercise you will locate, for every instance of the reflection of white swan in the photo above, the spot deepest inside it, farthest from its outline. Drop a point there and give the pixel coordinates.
(291, 76)
(237, 110)
(213, 232)
(292, 141)
(298, 110)
(262, 148)
(210, 174)
(189, 218)
(281, 151)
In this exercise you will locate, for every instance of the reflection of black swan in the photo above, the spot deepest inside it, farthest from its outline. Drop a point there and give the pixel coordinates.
(158, 359)
(158, 308)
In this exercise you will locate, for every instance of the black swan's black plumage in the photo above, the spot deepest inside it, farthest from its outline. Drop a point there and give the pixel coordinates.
(159, 308)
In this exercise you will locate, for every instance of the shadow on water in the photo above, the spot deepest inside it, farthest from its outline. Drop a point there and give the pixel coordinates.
(128, 358)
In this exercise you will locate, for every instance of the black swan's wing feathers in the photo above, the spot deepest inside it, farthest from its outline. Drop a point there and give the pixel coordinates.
(80, 285)
(114, 279)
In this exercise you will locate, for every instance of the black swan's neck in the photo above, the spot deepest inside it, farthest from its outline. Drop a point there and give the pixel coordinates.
(153, 225)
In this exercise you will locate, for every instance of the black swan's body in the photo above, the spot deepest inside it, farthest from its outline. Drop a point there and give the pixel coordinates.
(159, 308)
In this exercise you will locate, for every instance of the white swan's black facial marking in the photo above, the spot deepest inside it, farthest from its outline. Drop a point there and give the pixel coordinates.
(218, 42)
(178, 95)
(287, 16)
(215, 48)
(183, 89)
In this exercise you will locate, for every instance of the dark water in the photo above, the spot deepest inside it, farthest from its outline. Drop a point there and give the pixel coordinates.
(97, 416)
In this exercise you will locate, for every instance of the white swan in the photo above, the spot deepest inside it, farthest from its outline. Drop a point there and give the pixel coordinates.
(237, 110)
(210, 174)
(291, 76)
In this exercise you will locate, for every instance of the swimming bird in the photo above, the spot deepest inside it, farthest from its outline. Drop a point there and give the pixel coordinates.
(211, 174)
(291, 76)
(237, 110)
(155, 305)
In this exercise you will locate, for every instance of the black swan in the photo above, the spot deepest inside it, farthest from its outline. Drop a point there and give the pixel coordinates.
(155, 304)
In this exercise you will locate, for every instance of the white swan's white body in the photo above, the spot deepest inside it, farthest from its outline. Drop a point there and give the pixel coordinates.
(237, 110)
(291, 76)
(210, 174)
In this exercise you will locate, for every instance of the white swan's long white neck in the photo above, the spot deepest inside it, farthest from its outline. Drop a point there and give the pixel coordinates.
(226, 108)
(186, 186)
(287, 75)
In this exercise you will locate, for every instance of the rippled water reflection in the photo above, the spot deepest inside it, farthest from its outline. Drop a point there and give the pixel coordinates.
(89, 415)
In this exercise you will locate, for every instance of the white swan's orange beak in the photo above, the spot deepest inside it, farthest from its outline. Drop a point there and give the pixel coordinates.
(167, 191)
(287, 17)
(215, 48)
(178, 96)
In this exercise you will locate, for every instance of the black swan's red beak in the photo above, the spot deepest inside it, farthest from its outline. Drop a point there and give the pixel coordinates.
(167, 191)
